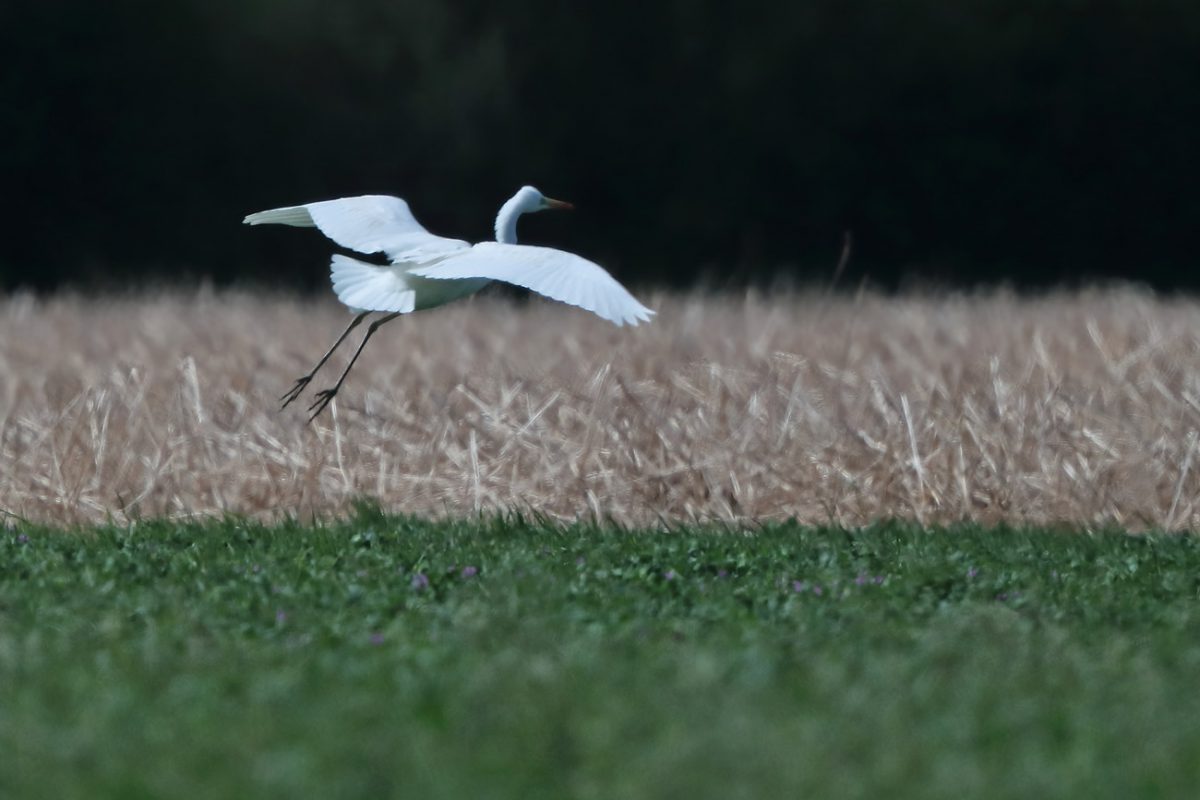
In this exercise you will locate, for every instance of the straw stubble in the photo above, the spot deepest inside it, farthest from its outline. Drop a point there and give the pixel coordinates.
(1069, 407)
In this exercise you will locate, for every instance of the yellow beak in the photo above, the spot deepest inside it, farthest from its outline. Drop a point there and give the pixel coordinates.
(559, 204)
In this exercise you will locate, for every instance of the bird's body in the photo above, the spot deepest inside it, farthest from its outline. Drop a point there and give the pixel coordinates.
(370, 287)
(427, 271)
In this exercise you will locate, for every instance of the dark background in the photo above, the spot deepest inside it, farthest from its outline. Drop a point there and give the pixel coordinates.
(961, 142)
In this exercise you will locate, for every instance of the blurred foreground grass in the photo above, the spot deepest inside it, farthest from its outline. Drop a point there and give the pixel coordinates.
(386, 656)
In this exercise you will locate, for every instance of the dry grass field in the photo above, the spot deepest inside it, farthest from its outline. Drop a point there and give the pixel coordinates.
(1078, 407)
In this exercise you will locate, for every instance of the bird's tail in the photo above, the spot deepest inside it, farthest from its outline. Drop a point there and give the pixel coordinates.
(370, 287)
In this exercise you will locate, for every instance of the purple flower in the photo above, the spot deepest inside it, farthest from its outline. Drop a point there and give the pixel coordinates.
(669, 575)
(23, 539)
(799, 586)
(376, 639)
(419, 581)
(281, 616)
(878, 580)
(470, 571)
(722, 573)
(817, 590)
(972, 572)
(860, 580)
(1002, 597)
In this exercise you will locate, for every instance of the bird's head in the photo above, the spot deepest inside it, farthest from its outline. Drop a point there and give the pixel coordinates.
(531, 200)
(527, 200)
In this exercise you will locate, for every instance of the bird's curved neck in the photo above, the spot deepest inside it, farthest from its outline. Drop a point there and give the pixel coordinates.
(506, 221)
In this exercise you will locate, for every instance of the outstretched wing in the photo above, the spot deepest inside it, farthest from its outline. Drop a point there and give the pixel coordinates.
(373, 223)
(554, 273)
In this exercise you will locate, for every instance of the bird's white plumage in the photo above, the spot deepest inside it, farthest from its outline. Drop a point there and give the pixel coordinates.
(430, 270)
(556, 274)
(373, 223)
(369, 287)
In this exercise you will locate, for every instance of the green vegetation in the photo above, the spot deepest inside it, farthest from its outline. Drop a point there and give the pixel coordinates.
(394, 657)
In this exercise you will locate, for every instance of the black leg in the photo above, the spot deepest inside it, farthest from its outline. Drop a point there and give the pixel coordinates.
(295, 391)
(325, 395)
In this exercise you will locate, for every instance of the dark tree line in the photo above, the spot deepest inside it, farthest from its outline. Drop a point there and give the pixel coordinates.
(1021, 140)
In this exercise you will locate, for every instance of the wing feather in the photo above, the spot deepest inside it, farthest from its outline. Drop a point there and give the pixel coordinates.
(556, 274)
(372, 223)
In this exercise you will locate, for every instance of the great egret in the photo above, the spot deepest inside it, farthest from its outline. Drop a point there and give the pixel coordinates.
(428, 271)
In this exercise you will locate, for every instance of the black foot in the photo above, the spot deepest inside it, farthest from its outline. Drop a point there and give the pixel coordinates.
(323, 398)
(295, 391)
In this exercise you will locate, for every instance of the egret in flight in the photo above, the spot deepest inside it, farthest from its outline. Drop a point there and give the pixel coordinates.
(428, 271)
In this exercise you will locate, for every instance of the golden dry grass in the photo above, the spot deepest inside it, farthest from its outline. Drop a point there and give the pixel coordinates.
(1078, 407)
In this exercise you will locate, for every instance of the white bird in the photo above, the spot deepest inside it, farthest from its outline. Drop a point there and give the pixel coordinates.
(428, 271)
